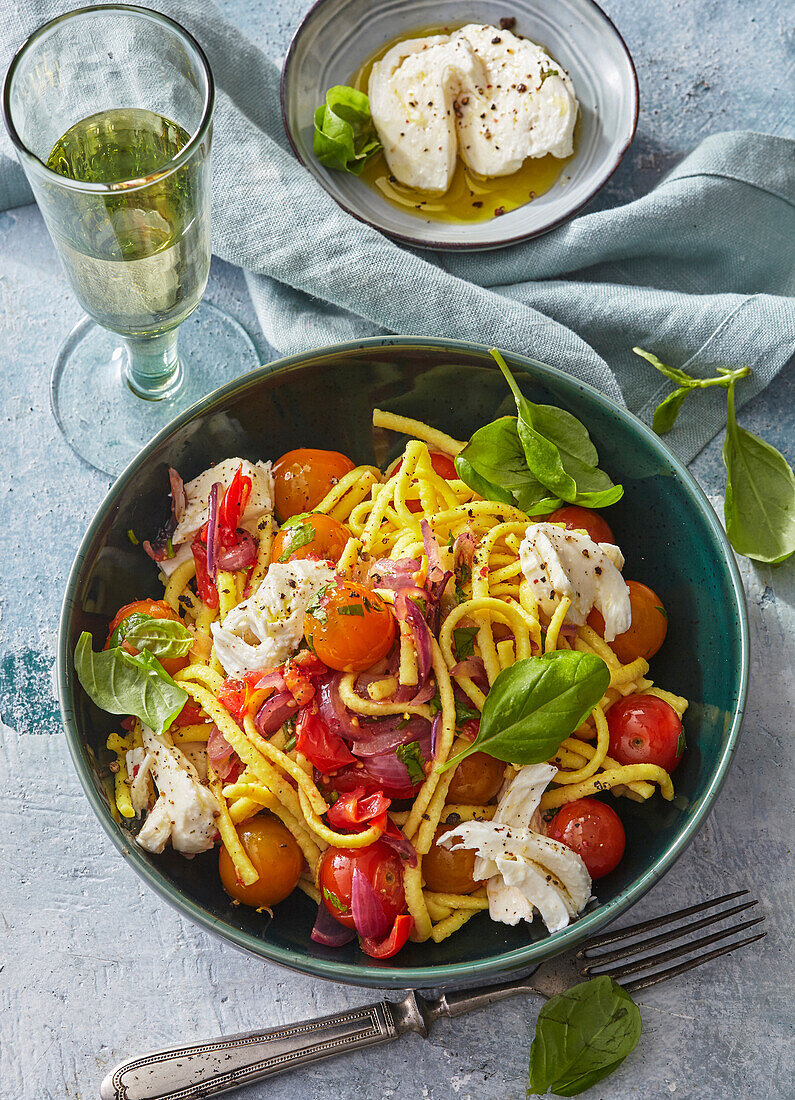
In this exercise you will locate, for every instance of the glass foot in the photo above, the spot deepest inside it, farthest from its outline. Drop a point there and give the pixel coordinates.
(100, 416)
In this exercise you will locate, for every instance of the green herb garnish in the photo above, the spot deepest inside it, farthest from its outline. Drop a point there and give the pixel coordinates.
(301, 534)
(161, 637)
(411, 756)
(464, 641)
(352, 609)
(345, 137)
(332, 899)
(545, 73)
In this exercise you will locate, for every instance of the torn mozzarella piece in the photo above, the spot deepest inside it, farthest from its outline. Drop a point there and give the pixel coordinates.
(527, 107)
(267, 627)
(525, 870)
(197, 493)
(185, 810)
(412, 92)
(559, 563)
(139, 765)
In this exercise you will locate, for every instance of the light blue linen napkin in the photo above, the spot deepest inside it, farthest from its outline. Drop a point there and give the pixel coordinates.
(700, 270)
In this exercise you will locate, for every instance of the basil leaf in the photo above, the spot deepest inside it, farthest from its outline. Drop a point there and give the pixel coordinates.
(120, 633)
(464, 712)
(160, 637)
(668, 410)
(121, 683)
(332, 898)
(674, 373)
(464, 641)
(345, 137)
(581, 1036)
(411, 756)
(559, 451)
(351, 609)
(493, 463)
(293, 521)
(759, 508)
(300, 535)
(534, 705)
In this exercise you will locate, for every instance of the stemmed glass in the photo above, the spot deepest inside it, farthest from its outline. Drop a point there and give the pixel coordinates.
(110, 110)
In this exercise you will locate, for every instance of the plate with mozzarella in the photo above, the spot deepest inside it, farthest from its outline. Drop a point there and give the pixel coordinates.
(481, 124)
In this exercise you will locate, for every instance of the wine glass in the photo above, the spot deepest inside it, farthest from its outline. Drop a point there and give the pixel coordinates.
(110, 109)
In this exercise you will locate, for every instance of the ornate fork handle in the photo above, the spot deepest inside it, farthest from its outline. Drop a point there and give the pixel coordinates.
(206, 1069)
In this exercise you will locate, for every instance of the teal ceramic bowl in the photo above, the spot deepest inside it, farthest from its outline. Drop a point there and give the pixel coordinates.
(667, 529)
(337, 36)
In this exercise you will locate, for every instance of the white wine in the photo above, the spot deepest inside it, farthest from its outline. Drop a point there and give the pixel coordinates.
(137, 259)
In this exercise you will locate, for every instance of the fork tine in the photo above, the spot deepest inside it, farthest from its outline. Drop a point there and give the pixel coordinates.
(679, 952)
(674, 971)
(668, 937)
(657, 922)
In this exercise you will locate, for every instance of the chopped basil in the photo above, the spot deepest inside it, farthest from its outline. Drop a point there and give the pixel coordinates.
(332, 898)
(352, 609)
(300, 535)
(317, 609)
(411, 756)
(464, 641)
(464, 712)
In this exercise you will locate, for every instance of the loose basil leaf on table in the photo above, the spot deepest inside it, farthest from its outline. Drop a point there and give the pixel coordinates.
(582, 1035)
(345, 137)
(160, 637)
(537, 703)
(121, 683)
(668, 410)
(559, 452)
(493, 463)
(759, 507)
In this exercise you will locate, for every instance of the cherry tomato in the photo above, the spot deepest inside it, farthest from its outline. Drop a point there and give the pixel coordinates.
(583, 519)
(447, 872)
(648, 627)
(276, 857)
(645, 730)
(303, 477)
(317, 536)
(383, 869)
(155, 609)
(593, 830)
(442, 464)
(349, 627)
(323, 749)
(476, 780)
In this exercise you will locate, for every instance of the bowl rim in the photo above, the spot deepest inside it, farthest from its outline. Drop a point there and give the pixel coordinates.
(397, 977)
(465, 246)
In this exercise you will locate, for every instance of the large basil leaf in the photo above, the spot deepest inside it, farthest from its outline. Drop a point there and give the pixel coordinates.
(345, 137)
(121, 683)
(537, 703)
(559, 452)
(160, 637)
(494, 465)
(120, 633)
(759, 508)
(582, 1035)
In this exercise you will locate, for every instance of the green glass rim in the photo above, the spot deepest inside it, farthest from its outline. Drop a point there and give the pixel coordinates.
(396, 977)
(123, 186)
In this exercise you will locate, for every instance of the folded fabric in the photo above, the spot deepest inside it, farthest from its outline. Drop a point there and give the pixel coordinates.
(699, 271)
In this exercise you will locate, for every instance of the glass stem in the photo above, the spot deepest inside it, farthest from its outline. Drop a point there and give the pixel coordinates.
(153, 367)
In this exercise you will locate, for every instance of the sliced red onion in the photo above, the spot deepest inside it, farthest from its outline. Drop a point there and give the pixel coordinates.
(390, 733)
(241, 555)
(464, 548)
(409, 694)
(179, 500)
(158, 550)
(436, 725)
(333, 711)
(391, 773)
(369, 915)
(474, 668)
(218, 748)
(271, 678)
(394, 575)
(402, 845)
(274, 712)
(408, 610)
(437, 577)
(329, 931)
(432, 550)
(212, 529)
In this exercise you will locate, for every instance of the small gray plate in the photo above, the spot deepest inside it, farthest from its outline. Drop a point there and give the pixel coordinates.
(336, 36)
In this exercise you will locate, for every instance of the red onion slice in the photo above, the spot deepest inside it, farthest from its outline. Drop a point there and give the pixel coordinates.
(435, 727)
(329, 931)
(464, 548)
(390, 734)
(474, 668)
(271, 678)
(333, 711)
(394, 575)
(212, 529)
(402, 845)
(369, 916)
(274, 712)
(408, 610)
(218, 748)
(158, 550)
(241, 555)
(179, 500)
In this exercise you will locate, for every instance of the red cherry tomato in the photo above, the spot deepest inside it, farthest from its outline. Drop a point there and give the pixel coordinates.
(583, 519)
(645, 730)
(155, 609)
(647, 630)
(593, 830)
(349, 627)
(382, 867)
(317, 536)
(301, 479)
(325, 750)
(442, 464)
(355, 811)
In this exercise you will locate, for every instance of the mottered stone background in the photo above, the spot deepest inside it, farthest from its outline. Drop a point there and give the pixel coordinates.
(94, 968)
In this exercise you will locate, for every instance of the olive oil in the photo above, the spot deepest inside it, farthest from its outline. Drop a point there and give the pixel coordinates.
(470, 198)
(137, 257)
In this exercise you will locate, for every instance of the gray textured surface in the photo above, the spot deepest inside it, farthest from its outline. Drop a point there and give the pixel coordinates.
(94, 968)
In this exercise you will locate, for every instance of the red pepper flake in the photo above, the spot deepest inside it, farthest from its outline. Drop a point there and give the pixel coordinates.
(499, 211)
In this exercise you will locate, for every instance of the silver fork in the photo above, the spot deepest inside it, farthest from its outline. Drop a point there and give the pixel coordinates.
(207, 1069)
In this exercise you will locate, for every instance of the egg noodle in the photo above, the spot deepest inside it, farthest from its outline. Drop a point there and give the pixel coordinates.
(383, 514)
